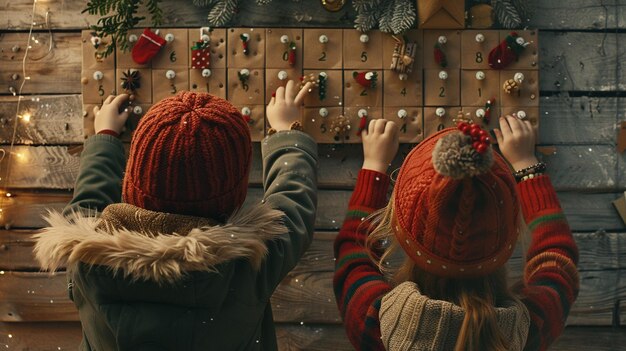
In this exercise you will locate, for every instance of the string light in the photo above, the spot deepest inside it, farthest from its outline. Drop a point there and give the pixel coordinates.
(27, 116)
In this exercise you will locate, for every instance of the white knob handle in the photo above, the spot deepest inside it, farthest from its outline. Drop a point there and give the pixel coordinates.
(323, 39)
(443, 75)
(169, 37)
(323, 74)
(132, 38)
(442, 39)
(362, 113)
(518, 77)
(97, 75)
(323, 112)
(282, 75)
(246, 111)
(480, 38)
(244, 72)
(480, 113)
(206, 73)
(440, 111)
(364, 38)
(170, 74)
(403, 76)
(521, 114)
(137, 110)
(205, 38)
(284, 39)
(402, 113)
(520, 41)
(480, 75)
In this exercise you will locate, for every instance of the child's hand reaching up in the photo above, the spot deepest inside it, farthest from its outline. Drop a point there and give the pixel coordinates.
(516, 139)
(109, 117)
(380, 145)
(284, 108)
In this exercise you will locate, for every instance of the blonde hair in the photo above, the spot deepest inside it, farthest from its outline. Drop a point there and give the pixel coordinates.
(477, 296)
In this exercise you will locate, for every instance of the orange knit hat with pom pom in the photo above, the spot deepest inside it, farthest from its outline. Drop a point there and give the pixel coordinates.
(455, 206)
(190, 154)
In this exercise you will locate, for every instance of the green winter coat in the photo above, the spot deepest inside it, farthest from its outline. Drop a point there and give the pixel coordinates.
(145, 280)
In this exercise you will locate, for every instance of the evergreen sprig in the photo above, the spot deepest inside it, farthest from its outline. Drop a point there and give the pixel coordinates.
(222, 12)
(117, 17)
(508, 12)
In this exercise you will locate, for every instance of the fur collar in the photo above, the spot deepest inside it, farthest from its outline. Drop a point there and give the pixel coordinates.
(124, 239)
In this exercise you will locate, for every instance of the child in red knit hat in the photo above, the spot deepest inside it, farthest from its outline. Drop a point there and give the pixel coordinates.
(164, 256)
(456, 212)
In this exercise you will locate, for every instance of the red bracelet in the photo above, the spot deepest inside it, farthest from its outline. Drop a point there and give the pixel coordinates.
(109, 132)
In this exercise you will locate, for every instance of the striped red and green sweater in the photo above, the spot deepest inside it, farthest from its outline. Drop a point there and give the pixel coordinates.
(550, 278)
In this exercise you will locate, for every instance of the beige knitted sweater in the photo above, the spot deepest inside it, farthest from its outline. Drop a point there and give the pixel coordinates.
(412, 321)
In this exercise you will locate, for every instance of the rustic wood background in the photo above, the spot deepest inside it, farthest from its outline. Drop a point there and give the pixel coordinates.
(582, 46)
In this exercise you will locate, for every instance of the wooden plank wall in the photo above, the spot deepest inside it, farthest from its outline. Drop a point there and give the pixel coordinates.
(582, 101)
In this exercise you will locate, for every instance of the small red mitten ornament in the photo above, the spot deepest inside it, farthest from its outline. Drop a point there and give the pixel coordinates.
(147, 46)
(362, 121)
(201, 55)
(366, 79)
(507, 51)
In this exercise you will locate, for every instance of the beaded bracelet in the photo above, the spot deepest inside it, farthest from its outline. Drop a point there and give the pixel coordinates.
(296, 125)
(529, 176)
(539, 167)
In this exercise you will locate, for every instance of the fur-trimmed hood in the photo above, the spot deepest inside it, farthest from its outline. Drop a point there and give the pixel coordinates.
(156, 246)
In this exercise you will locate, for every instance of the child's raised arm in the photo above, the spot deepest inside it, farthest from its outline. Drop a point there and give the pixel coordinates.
(289, 181)
(102, 162)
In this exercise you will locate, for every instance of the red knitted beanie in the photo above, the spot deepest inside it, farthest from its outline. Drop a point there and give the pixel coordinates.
(455, 210)
(190, 154)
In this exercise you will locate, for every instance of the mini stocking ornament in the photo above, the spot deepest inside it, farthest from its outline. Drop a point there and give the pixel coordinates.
(291, 56)
(440, 56)
(201, 55)
(147, 46)
(507, 51)
(366, 79)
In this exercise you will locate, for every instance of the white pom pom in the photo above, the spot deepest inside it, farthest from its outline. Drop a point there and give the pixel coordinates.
(362, 113)
(244, 72)
(205, 38)
(520, 41)
(369, 75)
(170, 74)
(246, 36)
(323, 74)
(442, 39)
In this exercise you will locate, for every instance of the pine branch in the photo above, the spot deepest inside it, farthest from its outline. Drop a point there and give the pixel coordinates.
(204, 3)
(364, 5)
(506, 13)
(524, 9)
(386, 16)
(155, 11)
(222, 12)
(404, 16)
(263, 2)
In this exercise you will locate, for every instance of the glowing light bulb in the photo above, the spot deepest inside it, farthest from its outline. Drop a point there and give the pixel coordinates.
(26, 117)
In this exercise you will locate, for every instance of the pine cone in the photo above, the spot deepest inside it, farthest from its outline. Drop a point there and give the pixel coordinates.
(510, 86)
(341, 127)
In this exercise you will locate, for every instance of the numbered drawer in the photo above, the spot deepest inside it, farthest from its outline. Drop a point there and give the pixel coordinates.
(409, 120)
(137, 82)
(246, 48)
(124, 59)
(442, 87)
(246, 91)
(478, 86)
(277, 77)
(329, 91)
(283, 48)
(362, 50)
(406, 49)
(317, 122)
(93, 52)
(487, 118)
(211, 43)
(175, 53)
(529, 58)
(166, 84)
(438, 118)
(255, 116)
(212, 81)
(323, 48)
(440, 44)
(97, 85)
(403, 90)
(475, 48)
(356, 91)
(359, 118)
(519, 88)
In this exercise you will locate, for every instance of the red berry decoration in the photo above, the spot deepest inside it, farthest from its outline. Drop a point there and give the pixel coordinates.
(481, 148)
(480, 137)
